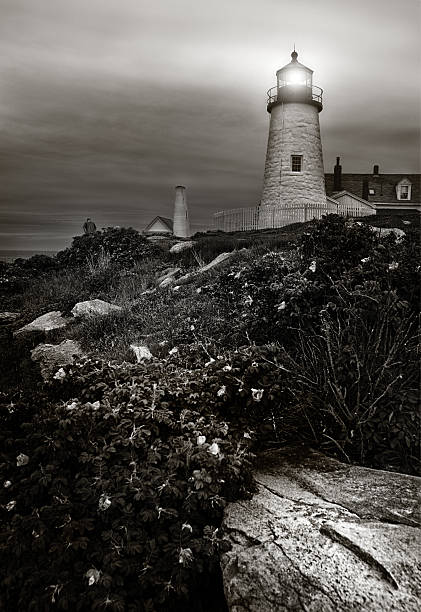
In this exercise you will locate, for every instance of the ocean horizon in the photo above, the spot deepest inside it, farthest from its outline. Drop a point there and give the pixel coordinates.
(9, 255)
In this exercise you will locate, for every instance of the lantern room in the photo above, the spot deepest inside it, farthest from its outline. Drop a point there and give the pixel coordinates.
(295, 84)
(294, 74)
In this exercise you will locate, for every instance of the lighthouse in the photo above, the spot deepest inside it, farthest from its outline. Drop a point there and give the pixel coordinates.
(294, 174)
(181, 223)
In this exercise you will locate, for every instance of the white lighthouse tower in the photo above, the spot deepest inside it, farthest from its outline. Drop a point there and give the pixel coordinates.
(181, 223)
(294, 173)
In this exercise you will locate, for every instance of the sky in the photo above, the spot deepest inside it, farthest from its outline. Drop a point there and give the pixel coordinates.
(107, 105)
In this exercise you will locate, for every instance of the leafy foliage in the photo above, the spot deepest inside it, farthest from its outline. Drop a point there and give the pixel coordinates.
(115, 497)
(124, 247)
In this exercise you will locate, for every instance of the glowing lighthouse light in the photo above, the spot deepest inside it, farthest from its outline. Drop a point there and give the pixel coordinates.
(296, 77)
(294, 74)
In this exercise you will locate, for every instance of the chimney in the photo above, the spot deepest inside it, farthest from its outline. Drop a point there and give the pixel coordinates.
(337, 176)
(365, 190)
(181, 226)
(376, 170)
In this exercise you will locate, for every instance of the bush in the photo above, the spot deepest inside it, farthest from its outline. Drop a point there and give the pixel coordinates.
(115, 496)
(122, 246)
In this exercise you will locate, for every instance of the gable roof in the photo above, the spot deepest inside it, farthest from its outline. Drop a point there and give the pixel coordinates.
(384, 186)
(338, 194)
(164, 220)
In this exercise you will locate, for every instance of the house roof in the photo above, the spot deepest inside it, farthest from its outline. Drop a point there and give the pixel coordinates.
(383, 184)
(167, 222)
(338, 194)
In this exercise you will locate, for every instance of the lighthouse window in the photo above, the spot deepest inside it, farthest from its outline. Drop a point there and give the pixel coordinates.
(296, 163)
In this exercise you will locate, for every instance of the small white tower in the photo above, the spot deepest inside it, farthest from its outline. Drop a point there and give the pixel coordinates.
(294, 173)
(181, 227)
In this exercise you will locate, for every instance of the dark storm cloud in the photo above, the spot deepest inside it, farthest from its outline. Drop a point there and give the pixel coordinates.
(106, 105)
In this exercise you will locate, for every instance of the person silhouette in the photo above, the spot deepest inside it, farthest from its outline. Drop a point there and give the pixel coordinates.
(89, 226)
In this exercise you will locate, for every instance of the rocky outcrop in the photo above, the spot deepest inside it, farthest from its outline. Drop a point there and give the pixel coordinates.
(218, 261)
(94, 307)
(179, 247)
(386, 231)
(322, 536)
(51, 357)
(48, 322)
(142, 352)
(168, 276)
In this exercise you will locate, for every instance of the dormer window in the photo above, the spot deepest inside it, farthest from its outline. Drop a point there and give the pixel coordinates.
(403, 190)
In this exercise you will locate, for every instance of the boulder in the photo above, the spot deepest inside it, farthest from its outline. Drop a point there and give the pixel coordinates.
(325, 537)
(168, 276)
(179, 247)
(94, 307)
(220, 259)
(51, 357)
(45, 323)
(141, 352)
(8, 317)
(385, 231)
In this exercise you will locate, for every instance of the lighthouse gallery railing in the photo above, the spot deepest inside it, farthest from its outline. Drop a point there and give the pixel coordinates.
(314, 93)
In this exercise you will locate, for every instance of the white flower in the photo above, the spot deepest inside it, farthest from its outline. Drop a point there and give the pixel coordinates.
(191, 327)
(248, 301)
(238, 274)
(214, 449)
(173, 351)
(227, 368)
(186, 527)
(247, 435)
(312, 266)
(201, 440)
(186, 556)
(282, 306)
(365, 260)
(199, 290)
(104, 502)
(257, 394)
(60, 374)
(22, 460)
(394, 265)
(7, 484)
(222, 391)
(93, 576)
(96, 405)
(71, 406)
(10, 505)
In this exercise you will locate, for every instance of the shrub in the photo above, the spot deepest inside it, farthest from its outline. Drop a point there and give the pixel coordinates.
(115, 496)
(122, 246)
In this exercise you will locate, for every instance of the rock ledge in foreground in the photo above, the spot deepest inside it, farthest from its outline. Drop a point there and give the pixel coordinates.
(322, 536)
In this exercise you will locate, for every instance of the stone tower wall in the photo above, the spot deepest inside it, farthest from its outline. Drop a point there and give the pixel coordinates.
(181, 226)
(294, 130)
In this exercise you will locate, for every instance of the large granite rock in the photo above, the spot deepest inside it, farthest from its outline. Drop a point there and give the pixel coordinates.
(179, 247)
(385, 231)
(51, 357)
(94, 307)
(323, 536)
(48, 322)
(218, 261)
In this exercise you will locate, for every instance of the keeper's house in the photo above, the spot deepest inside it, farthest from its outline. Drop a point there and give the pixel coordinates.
(387, 193)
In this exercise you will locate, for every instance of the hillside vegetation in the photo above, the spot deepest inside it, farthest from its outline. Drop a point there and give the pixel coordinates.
(116, 474)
